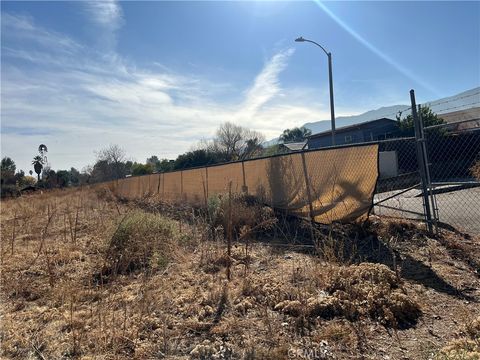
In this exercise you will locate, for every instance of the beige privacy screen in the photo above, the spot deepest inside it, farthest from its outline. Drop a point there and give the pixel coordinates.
(328, 185)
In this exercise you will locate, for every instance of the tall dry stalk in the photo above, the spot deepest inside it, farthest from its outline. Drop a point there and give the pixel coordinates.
(43, 238)
(72, 328)
(51, 281)
(75, 226)
(14, 229)
(64, 227)
(124, 327)
(70, 224)
(229, 231)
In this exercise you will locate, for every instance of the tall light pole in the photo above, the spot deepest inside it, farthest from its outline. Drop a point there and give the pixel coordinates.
(330, 79)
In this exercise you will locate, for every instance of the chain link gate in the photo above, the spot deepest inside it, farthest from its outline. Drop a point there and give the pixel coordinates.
(438, 180)
(454, 174)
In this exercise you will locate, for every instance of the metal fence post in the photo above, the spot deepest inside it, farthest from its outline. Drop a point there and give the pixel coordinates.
(181, 185)
(244, 186)
(163, 186)
(307, 185)
(149, 178)
(431, 195)
(205, 187)
(421, 161)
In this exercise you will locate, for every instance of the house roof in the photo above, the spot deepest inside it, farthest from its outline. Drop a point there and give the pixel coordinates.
(351, 127)
(295, 146)
(461, 115)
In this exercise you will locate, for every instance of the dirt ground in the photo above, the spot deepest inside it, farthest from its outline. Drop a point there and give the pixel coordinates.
(74, 284)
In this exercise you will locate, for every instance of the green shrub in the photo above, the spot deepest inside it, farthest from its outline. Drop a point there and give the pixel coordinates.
(141, 241)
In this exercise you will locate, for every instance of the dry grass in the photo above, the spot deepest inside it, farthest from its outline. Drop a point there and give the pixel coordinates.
(354, 292)
(141, 241)
(86, 276)
(466, 346)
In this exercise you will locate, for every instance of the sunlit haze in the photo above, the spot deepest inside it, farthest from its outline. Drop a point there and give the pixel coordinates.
(156, 77)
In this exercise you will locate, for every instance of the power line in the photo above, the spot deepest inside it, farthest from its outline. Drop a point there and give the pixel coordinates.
(395, 113)
(452, 100)
(460, 106)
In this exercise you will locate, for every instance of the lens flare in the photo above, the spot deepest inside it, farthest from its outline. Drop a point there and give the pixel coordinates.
(402, 69)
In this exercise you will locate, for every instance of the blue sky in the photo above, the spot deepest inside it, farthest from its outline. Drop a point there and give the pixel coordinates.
(156, 77)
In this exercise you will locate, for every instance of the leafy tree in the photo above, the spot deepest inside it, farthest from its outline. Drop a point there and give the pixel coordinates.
(162, 165)
(19, 177)
(115, 157)
(8, 180)
(429, 118)
(111, 164)
(74, 176)
(8, 166)
(253, 148)
(49, 178)
(154, 161)
(86, 175)
(196, 158)
(101, 171)
(63, 178)
(11, 181)
(166, 165)
(142, 169)
(295, 134)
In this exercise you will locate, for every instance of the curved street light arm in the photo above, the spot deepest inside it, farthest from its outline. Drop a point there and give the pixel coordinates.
(330, 80)
(320, 46)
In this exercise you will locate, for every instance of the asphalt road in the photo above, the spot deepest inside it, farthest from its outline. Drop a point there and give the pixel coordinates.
(460, 208)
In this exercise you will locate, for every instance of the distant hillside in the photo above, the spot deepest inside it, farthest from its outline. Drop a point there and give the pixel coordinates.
(461, 101)
(387, 111)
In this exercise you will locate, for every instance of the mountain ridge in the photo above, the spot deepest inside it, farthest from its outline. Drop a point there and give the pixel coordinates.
(461, 101)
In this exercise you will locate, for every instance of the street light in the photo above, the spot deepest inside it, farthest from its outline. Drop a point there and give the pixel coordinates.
(330, 77)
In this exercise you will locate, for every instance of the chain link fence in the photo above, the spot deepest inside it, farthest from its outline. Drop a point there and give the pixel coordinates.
(454, 173)
(324, 185)
(396, 194)
(433, 176)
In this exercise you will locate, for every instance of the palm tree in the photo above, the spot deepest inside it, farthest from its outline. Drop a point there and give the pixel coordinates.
(38, 165)
(295, 134)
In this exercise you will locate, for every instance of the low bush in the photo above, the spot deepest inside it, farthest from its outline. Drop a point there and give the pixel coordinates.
(104, 193)
(246, 213)
(8, 190)
(141, 241)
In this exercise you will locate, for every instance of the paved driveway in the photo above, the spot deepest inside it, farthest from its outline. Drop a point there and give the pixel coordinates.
(460, 208)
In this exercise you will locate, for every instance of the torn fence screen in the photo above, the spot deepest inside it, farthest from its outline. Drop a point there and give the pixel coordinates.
(335, 184)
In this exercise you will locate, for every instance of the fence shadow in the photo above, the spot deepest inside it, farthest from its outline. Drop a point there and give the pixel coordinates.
(355, 244)
(372, 249)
